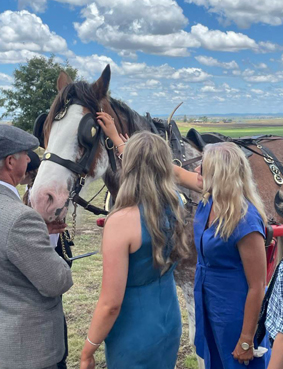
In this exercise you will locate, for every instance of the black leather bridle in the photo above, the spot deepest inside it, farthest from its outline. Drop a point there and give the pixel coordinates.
(89, 136)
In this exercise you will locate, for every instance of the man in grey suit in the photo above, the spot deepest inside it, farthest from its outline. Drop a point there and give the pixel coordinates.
(32, 274)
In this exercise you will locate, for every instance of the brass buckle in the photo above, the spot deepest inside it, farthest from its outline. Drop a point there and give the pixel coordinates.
(82, 181)
(106, 144)
(63, 111)
(278, 179)
(268, 159)
(274, 169)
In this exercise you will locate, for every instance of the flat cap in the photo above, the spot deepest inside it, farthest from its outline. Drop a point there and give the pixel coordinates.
(13, 140)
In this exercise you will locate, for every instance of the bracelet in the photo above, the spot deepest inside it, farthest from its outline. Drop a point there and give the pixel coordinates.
(92, 343)
(122, 144)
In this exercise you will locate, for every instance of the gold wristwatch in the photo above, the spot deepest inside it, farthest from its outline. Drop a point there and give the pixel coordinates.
(245, 346)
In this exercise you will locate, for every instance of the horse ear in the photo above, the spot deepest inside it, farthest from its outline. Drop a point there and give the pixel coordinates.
(63, 80)
(102, 84)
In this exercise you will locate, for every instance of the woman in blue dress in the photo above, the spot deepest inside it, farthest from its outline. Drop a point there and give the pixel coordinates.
(229, 231)
(137, 313)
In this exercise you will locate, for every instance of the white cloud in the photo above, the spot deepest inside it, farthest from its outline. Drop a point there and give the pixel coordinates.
(260, 66)
(164, 71)
(211, 62)
(6, 78)
(265, 78)
(152, 27)
(89, 66)
(139, 25)
(243, 12)
(39, 6)
(268, 47)
(152, 83)
(248, 72)
(36, 5)
(25, 32)
(219, 98)
(224, 89)
(257, 91)
(210, 89)
(191, 75)
(159, 94)
(222, 41)
(180, 86)
(13, 57)
(236, 72)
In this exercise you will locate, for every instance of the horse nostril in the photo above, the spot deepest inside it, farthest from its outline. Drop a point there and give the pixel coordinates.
(50, 198)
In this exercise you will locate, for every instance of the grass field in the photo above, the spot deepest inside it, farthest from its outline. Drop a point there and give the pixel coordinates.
(80, 301)
(234, 130)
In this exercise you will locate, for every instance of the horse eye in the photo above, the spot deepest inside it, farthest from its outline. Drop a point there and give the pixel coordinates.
(93, 131)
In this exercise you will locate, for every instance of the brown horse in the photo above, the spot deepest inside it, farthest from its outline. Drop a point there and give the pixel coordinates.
(66, 139)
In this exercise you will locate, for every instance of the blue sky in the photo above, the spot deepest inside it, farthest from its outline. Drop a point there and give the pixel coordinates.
(217, 56)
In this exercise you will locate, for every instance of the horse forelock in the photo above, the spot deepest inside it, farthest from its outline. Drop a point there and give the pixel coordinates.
(80, 90)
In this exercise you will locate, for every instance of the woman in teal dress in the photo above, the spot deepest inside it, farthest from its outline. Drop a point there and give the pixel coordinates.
(137, 313)
(229, 231)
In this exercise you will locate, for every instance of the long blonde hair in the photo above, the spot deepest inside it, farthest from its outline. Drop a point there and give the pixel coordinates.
(227, 177)
(147, 179)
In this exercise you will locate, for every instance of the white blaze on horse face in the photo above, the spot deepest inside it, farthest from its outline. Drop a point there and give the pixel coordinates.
(51, 188)
(53, 183)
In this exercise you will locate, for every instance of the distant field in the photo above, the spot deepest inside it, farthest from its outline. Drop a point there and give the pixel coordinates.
(234, 130)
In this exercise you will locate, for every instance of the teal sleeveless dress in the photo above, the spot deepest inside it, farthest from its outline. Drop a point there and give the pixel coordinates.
(146, 334)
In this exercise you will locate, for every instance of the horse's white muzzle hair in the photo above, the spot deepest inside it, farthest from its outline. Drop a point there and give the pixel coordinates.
(50, 192)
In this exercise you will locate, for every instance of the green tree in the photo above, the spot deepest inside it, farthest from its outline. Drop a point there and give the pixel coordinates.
(34, 90)
(185, 118)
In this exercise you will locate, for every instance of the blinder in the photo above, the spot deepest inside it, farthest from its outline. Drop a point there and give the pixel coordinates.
(38, 128)
(87, 131)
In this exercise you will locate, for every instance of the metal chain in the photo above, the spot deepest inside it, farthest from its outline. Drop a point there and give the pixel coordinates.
(74, 223)
(64, 252)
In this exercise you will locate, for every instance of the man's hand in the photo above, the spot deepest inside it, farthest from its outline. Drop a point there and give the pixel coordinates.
(56, 227)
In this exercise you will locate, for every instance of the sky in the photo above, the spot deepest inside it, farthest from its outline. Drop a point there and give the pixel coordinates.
(215, 56)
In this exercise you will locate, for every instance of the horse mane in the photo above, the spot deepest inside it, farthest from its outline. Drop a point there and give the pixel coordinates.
(86, 94)
(135, 122)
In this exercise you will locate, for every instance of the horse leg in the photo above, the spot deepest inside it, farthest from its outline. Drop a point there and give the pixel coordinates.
(184, 276)
(188, 290)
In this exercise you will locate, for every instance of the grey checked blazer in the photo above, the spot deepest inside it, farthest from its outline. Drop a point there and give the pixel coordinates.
(32, 278)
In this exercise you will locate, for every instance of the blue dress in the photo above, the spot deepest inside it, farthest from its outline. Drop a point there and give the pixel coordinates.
(146, 334)
(221, 289)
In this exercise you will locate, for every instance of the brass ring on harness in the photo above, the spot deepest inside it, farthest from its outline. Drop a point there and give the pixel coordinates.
(274, 169)
(106, 144)
(60, 115)
(178, 162)
(278, 179)
(268, 159)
